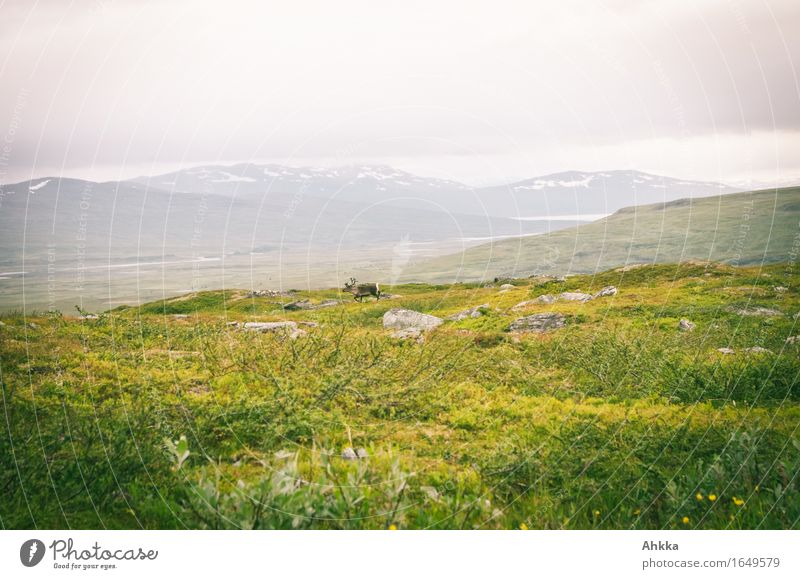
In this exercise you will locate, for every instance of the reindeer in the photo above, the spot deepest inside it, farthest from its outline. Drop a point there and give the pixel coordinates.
(362, 290)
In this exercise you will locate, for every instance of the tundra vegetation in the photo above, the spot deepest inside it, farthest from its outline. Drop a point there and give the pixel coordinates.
(170, 416)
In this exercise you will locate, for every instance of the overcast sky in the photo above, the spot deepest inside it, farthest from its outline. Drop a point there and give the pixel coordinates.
(482, 92)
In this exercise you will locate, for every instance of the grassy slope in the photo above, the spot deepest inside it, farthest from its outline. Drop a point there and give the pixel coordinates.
(743, 228)
(617, 421)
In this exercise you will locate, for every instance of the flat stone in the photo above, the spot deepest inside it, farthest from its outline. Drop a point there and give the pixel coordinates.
(269, 326)
(546, 299)
(574, 297)
(538, 323)
(726, 351)
(793, 340)
(686, 325)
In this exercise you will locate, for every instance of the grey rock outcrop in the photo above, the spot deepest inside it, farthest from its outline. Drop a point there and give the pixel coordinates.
(401, 319)
(538, 323)
(574, 297)
(607, 291)
(474, 312)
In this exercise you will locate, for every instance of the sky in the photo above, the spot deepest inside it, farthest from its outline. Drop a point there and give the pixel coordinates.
(481, 92)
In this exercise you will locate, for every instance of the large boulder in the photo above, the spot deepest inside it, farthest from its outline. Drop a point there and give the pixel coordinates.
(474, 312)
(400, 319)
(538, 323)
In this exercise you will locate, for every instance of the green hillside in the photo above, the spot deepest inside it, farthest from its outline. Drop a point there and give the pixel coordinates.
(743, 228)
(171, 416)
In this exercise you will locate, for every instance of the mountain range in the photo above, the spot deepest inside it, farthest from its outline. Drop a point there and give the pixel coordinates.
(262, 222)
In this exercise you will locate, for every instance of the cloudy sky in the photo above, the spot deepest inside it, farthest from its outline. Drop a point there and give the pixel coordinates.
(482, 92)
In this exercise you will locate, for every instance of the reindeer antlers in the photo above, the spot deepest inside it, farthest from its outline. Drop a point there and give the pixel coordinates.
(350, 283)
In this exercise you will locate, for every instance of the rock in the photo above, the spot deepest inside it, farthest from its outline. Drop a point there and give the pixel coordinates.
(506, 287)
(574, 297)
(561, 279)
(90, 317)
(609, 290)
(757, 311)
(757, 350)
(409, 334)
(180, 316)
(350, 454)
(390, 296)
(523, 305)
(233, 324)
(268, 294)
(474, 312)
(780, 289)
(538, 323)
(290, 328)
(686, 325)
(545, 299)
(298, 305)
(269, 326)
(793, 340)
(1, 324)
(726, 351)
(33, 326)
(400, 319)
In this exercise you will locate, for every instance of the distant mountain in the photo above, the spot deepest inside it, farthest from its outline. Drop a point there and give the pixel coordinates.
(364, 183)
(742, 228)
(251, 222)
(559, 194)
(581, 193)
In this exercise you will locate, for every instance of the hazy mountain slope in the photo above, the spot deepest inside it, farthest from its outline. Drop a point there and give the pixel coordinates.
(580, 193)
(567, 193)
(741, 228)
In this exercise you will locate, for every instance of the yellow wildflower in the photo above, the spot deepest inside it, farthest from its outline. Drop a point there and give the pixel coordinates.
(597, 513)
(523, 527)
(685, 520)
(392, 527)
(712, 497)
(637, 512)
(738, 502)
(699, 496)
(758, 488)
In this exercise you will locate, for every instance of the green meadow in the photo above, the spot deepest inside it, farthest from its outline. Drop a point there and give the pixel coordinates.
(167, 416)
